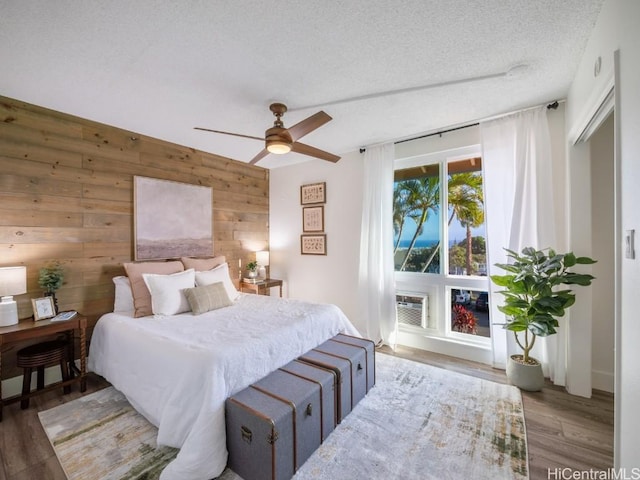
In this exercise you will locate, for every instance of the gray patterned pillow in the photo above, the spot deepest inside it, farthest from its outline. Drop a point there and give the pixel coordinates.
(208, 297)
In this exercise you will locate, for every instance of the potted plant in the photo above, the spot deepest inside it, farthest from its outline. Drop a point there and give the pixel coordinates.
(252, 267)
(533, 304)
(50, 279)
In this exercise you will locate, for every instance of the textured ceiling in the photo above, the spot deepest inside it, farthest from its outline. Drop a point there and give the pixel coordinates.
(162, 67)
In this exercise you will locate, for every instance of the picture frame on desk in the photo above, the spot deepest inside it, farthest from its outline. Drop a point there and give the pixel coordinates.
(43, 308)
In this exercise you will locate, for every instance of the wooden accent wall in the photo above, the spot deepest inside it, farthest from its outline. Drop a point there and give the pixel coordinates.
(66, 194)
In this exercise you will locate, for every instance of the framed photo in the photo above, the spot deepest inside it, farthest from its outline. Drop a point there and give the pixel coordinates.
(171, 219)
(313, 193)
(313, 219)
(43, 308)
(313, 244)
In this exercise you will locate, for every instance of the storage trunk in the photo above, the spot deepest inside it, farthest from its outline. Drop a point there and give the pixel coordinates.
(273, 426)
(327, 381)
(342, 369)
(356, 357)
(370, 354)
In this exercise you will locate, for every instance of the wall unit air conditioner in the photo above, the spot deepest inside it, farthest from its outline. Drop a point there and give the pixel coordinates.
(412, 309)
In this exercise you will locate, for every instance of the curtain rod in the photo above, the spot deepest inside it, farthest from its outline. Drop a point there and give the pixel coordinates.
(551, 106)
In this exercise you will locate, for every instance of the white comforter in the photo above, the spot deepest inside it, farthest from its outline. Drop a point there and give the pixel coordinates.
(177, 371)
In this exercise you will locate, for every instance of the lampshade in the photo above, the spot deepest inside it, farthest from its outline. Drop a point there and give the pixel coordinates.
(278, 147)
(13, 281)
(262, 258)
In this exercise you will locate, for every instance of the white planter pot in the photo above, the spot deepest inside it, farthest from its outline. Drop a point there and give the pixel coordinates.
(524, 376)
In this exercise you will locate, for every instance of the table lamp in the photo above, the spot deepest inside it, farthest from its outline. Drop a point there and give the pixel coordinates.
(13, 281)
(263, 261)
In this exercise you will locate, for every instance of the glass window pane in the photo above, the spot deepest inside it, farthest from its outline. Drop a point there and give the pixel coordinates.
(416, 219)
(466, 226)
(470, 312)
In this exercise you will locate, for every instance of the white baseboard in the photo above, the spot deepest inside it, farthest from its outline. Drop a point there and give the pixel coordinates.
(602, 381)
(446, 346)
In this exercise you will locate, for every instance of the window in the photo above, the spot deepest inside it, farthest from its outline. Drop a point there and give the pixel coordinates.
(440, 241)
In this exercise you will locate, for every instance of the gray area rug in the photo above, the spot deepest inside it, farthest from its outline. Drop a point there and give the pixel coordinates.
(418, 422)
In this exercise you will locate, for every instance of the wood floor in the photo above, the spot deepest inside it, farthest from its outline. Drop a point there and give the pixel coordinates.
(563, 431)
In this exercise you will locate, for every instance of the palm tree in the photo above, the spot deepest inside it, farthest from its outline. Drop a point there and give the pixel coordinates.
(465, 203)
(401, 209)
(423, 197)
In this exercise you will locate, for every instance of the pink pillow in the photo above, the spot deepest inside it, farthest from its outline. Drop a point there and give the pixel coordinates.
(141, 294)
(202, 264)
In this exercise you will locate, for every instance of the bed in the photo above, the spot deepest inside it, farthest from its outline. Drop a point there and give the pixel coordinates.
(177, 370)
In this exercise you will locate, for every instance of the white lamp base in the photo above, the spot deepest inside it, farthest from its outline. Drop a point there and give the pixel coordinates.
(8, 312)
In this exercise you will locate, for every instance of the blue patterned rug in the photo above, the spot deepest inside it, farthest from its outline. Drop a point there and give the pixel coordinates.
(418, 422)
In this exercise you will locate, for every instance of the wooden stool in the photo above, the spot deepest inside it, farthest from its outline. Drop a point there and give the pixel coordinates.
(39, 356)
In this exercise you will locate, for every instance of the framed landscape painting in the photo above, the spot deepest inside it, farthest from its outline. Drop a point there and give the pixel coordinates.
(171, 219)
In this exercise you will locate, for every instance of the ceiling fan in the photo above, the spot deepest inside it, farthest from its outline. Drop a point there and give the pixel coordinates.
(279, 139)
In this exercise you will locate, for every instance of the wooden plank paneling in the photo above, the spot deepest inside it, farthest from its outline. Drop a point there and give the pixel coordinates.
(11, 113)
(66, 194)
(37, 185)
(33, 218)
(44, 170)
(38, 202)
(20, 150)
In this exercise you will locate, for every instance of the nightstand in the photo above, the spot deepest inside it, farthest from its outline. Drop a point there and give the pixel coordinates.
(28, 329)
(261, 287)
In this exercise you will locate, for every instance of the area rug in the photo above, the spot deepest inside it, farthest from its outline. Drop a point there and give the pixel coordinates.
(418, 422)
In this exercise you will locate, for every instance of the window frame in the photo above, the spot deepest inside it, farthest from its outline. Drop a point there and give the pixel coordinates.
(438, 286)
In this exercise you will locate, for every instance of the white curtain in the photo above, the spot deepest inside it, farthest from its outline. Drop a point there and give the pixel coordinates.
(516, 152)
(376, 285)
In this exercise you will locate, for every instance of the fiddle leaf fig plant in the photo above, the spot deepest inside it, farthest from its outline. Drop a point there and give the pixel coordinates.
(533, 302)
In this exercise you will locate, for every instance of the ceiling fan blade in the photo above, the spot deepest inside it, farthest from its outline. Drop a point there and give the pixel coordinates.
(263, 153)
(314, 152)
(229, 133)
(308, 125)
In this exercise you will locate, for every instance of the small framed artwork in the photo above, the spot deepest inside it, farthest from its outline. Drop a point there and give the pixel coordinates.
(43, 308)
(313, 193)
(313, 244)
(313, 219)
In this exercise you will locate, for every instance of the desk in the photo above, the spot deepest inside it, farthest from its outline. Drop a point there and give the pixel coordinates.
(27, 329)
(262, 287)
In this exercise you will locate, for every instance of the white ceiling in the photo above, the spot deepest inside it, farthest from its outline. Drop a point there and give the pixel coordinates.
(160, 68)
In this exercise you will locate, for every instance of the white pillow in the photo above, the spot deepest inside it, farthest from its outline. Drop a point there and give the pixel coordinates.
(218, 274)
(123, 301)
(167, 297)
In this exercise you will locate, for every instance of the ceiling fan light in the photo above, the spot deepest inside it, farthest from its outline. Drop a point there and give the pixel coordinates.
(278, 147)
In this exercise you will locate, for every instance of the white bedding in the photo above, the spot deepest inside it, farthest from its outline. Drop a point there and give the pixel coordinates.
(177, 371)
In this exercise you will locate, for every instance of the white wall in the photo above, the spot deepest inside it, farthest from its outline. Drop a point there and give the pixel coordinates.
(603, 301)
(332, 278)
(616, 30)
